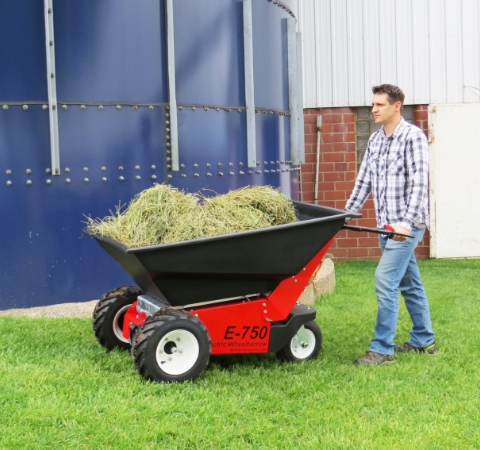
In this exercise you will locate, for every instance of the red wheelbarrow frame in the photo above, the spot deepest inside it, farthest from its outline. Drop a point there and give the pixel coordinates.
(245, 326)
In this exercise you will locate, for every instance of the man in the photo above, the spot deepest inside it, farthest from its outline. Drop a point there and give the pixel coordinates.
(395, 170)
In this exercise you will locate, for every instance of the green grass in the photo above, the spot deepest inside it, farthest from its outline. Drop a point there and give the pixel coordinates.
(60, 390)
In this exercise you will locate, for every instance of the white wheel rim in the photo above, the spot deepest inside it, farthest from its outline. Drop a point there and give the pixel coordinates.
(303, 347)
(177, 352)
(118, 323)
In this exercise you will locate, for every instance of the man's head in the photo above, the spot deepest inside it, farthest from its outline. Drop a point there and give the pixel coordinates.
(387, 104)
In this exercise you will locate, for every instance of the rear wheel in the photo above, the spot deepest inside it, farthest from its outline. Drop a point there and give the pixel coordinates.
(109, 314)
(171, 347)
(305, 345)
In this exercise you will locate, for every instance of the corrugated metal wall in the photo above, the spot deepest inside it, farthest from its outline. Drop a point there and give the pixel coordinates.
(430, 48)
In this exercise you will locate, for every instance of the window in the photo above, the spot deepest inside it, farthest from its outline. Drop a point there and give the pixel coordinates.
(365, 126)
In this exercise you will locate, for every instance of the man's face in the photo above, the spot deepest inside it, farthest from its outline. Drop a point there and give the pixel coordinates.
(383, 112)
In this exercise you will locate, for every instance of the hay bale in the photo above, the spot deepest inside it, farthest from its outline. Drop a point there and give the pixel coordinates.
(163, 214)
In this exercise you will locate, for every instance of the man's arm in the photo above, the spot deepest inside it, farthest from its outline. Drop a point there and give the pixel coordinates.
(417, 166)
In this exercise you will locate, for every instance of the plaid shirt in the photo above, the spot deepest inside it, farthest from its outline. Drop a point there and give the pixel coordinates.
(395, 170)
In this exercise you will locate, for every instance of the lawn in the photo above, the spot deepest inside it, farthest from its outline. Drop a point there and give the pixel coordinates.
(60, 390)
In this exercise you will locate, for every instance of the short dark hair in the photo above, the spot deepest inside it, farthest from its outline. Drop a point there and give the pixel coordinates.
(394, 93)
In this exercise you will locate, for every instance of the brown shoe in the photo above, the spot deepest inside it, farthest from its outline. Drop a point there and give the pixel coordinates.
(374, 358)
(407, 347)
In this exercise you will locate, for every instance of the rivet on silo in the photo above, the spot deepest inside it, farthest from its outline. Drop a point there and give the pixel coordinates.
(154, 177)
(120, 168)
(230, 164)
(85, 180)
(52, 75)
(28, 171)
(118, 107)
(195, 166)
(5, 107)
(218, 109)
(64, 106)
(239, 110)
(209, 174)
(104, 179)
(231, 173)
(169, 159)
(167, 130)
(9, 183)
(169, 176)
(104, 169)
(100, 107)
(44, 107)
(169, 166)
(8, 172)
(183, 175)
(82, 106)
(219, 164)
(153, 167)
(241, 173)
(272, 162)
(85, 169)
(48, 181)
(137, 167)
(167, 122)
(205, 108)
(179, 108)
(29, 182)
(250, 172)
(220, 173)
(193, 108)
(266, 171)
(168, 115)
(240, 164)
(167, 136)
(25, 107)
(135, 107)
(150, 108)
(182, 166)
(258, 172)
(167, 144)
(138, 177)
(121, 178)
(48, 170)
(196, 175)
(208, 164)
(67, 169)
(67, 180)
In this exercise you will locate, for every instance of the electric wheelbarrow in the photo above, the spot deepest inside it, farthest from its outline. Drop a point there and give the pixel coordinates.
(228, 294)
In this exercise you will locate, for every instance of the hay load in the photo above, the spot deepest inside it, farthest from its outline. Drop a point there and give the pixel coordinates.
(162, 214)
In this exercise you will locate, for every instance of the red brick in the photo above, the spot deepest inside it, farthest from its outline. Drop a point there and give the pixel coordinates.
(344, 186)
(420, 115)
(326, 147)
(338, 127)
(341, 167)
(333, 118)
(350, 156)
(330, 137)
(328, 128)
(350, 137)
(334, 195)
(310, 158)
(367, 242)
(334, 176)
(340, 147)
(333, 157)
(349, 117)
(310, 139)
(308, 177)
(327, 167)
(358, 252)
(346, 242)
(343, 110)
(326, 186)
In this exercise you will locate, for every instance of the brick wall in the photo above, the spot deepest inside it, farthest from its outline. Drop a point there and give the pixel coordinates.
(337, 177)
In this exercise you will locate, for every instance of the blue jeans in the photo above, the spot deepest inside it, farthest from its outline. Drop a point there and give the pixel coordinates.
(398, 271)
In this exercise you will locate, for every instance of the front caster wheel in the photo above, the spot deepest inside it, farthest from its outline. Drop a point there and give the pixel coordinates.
(171, 347)
(306, 344)
(108, 315)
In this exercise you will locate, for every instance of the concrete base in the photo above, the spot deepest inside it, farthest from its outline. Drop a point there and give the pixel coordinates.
(323, 282)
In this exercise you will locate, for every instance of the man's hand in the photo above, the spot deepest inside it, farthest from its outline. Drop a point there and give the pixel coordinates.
(400, 229)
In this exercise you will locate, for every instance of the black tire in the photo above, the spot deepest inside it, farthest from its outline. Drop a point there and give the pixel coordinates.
(108, 315)
(171, 347)
(301, 349)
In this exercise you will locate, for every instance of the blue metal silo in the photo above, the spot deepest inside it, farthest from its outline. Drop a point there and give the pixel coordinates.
(98, 100)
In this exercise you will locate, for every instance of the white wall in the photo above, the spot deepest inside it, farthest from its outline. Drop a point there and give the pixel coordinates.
(430, 48)
(454, 180)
